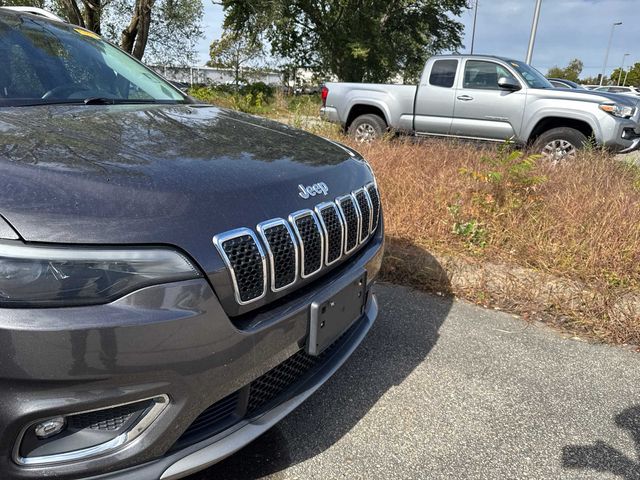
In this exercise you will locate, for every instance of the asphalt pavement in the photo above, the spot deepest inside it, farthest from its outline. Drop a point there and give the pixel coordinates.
(444, 389)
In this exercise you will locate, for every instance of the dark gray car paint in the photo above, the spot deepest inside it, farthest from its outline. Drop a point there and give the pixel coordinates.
(173, 175)
(170, 339)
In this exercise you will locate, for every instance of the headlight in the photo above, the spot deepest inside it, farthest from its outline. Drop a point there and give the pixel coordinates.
(618, 110)
(45, 276)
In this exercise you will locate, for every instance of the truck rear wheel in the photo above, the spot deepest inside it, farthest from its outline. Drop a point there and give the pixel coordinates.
(560, 144)
(367, 128)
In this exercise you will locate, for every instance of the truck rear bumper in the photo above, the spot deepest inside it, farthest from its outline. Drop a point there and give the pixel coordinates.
(330, 114)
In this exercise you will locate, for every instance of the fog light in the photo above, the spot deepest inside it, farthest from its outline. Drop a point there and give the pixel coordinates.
(87, 434)
(50, 427)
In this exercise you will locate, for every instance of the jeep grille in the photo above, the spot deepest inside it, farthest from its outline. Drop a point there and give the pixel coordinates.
(300, 247)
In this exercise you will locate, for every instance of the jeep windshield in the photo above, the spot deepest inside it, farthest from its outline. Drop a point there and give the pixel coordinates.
(45, 63)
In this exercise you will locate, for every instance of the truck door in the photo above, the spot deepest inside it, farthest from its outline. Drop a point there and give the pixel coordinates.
(482, 108)
(435, 98)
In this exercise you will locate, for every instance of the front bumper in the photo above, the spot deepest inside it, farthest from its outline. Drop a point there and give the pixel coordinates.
(172, 340)
(621, 135)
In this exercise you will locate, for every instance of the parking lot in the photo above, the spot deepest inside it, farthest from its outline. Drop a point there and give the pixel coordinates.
(444, 389)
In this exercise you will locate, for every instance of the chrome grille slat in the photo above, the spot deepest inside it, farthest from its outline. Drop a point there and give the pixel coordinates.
(307, 228)
(246, 261)
(351, 217)
(282, 250)
(333, 229)
(365, 207)
(375, 203)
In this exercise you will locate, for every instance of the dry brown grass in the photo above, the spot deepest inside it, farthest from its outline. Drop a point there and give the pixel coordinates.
(580, 221)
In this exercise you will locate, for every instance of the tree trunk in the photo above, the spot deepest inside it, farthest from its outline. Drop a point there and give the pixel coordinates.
(135, 36)
(92, 14)
(72, 12)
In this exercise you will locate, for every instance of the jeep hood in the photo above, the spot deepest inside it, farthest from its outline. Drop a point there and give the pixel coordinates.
(156, 174)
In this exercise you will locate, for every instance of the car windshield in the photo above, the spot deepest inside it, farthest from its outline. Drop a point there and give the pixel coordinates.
(47, 63)
(530, 75)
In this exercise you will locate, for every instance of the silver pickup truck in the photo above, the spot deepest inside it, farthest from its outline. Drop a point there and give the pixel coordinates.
(487, 98)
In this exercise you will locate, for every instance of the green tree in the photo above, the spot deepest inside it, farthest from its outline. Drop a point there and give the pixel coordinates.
(355, 40)
(165, 29)
(570, 72)
(234, 50)
(632, 76)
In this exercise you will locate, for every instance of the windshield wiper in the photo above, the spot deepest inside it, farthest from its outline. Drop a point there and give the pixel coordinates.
(99, 101)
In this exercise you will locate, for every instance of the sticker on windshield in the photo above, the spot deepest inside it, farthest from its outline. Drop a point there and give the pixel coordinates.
(87, 33)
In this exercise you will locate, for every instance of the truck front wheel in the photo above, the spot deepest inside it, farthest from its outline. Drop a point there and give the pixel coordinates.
(367, 128)
(560, 144)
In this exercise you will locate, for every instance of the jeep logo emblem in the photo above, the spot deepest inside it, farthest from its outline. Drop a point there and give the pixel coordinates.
(313, 190)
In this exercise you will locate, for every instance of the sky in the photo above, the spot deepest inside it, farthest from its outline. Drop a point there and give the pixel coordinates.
(567, 29)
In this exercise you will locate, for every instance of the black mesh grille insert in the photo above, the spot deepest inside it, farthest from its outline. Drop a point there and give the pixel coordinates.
(213, 420)
(375, 202)
(246, 261)
(333, 225)
(363, 203)
(351, 217)
(312, 243)
(108, 419)
(281, 378)
(277, 380)
(284, 255)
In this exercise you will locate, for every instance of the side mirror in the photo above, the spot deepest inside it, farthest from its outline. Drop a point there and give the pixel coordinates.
(509, 84)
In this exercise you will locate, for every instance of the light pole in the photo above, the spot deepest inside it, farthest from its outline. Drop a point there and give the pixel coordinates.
(626, 74)
(534, 29)
(473, 34)
(622, 67)
(606, 56)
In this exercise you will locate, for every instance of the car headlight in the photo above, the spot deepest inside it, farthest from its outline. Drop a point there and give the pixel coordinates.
(47, 276)
(622, 111)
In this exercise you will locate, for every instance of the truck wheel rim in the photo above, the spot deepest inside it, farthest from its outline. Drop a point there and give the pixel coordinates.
(365, 133)
(558, 150)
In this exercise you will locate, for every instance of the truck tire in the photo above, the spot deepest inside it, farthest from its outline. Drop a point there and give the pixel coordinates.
(367, 128)
(560, 144)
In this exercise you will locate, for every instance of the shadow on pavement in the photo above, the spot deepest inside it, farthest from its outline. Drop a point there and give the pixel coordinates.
(604, 458)
(405, 332)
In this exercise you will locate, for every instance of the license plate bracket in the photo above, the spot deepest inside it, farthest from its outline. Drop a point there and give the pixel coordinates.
(331, 317)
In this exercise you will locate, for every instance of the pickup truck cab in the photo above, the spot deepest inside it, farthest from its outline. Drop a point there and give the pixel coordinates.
(487, 98)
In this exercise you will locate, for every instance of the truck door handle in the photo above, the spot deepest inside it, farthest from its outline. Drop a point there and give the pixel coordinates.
(464, 98)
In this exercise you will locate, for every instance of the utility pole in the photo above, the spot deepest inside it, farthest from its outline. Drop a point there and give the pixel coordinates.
(622, 67)
(534, 30)
(473, 34)
(606, 55)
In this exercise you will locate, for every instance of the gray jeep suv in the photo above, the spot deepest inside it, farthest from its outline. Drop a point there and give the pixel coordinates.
(174, 278)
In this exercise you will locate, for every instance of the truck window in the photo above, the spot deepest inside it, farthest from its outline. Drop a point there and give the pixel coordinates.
(484, 75)
(443, 73)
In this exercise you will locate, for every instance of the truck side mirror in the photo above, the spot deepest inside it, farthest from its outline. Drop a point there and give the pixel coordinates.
(509, 84)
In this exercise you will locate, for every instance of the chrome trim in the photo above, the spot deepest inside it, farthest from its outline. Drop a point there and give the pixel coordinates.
(219, 239)
(161, 402)
(339, 201)
(292, 219)
(368, 187)
(319, 208)
(261, 227)
(368, 200)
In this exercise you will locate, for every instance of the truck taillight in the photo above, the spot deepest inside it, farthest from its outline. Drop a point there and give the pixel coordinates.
(325, 94)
